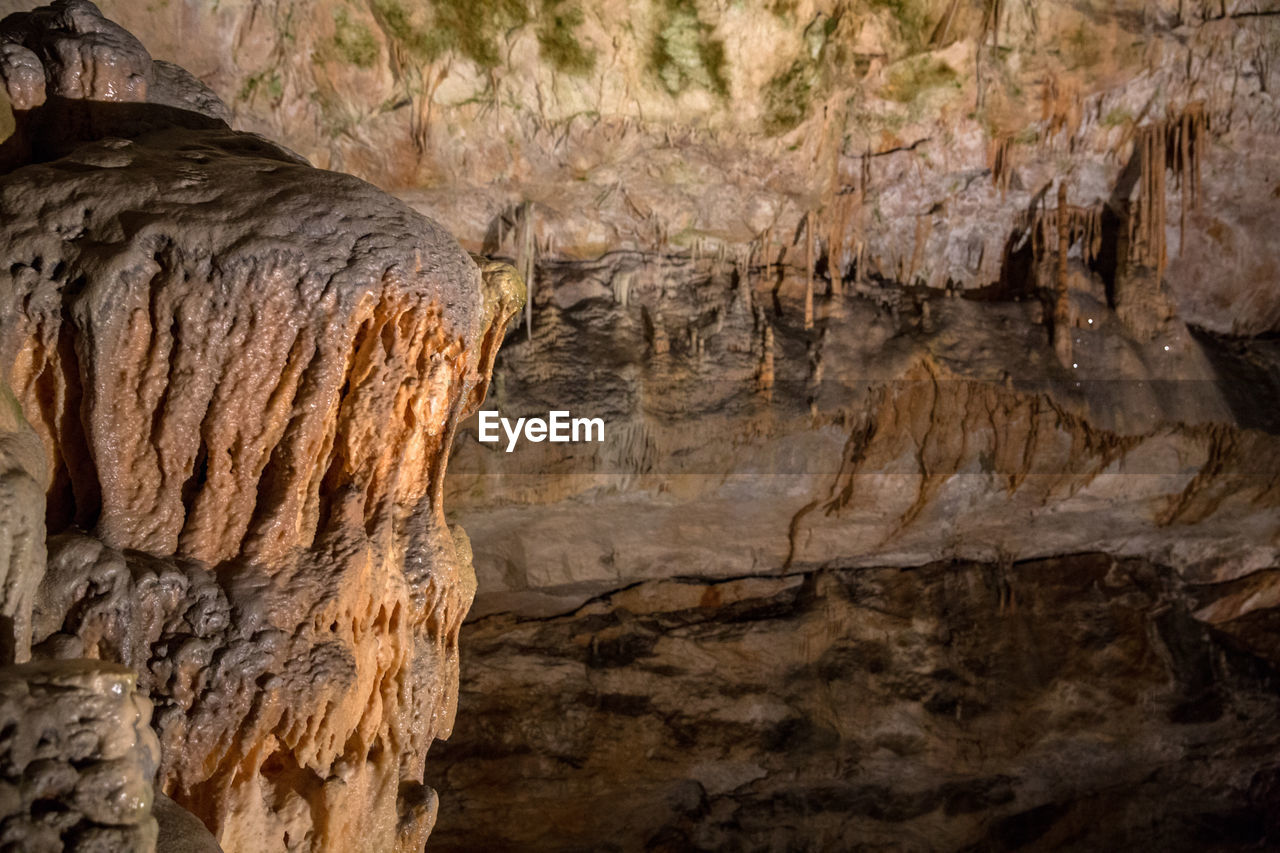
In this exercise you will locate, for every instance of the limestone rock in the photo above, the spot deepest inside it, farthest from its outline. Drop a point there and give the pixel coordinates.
(245, 374)
(899, 430)
(954, 288)
(922, 136)
(68, 50)
(1061, 704)
(23, 479)
(76, 760)
(179, 830)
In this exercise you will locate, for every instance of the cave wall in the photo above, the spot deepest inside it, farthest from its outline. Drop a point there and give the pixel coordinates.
(917, 137)
(1074, 703)
(952, 318)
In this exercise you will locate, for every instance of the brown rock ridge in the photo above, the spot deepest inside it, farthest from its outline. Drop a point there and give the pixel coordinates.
(245, 373)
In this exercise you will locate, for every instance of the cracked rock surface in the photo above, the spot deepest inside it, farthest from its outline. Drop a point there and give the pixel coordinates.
(1074, 703)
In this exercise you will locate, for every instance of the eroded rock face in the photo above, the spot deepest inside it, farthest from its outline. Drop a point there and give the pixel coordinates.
(1066, 704)
(853, 285)
(245, 373)
(902, 430)
(919, 138)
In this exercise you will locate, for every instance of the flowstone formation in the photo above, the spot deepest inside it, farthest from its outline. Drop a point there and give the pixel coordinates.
(245, 374)
(77, 757)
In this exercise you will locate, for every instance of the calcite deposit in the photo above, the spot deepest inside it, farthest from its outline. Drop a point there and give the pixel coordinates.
(77, 757)
(939, 501)
(245, 373)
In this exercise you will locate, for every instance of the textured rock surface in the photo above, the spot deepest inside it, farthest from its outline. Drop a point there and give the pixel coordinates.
(1076, 703)
(245, 373)
(854, 285)
(77, 757)
(22, 555)
(751, 677)
(180, 830)
(920, 138)
(917, 429)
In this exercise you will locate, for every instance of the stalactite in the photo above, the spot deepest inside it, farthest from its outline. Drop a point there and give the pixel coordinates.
(1060, 105)
(766, 363)
(1185, 141)
(943, 29)
(766, 259)
(924, 224)
(1154, 164)
(808, 269)
(835, 251)
(1062, 304)
(842, 220)
(1146, 226)
(1000, 163)
(525, 262)
(661, 341)
(1175, 145)
(1083, 225)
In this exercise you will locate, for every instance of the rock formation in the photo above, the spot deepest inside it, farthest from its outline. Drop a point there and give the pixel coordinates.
(77, 757)
(245, 374)
(1065, 704)
(935, 339)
